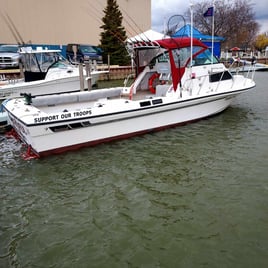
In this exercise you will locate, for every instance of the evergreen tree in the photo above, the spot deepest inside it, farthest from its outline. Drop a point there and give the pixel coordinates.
(113, 35)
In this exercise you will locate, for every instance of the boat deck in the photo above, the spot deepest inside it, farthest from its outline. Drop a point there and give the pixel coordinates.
(58, 104)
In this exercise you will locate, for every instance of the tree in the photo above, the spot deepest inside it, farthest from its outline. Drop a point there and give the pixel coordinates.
(113, 35)
(261, 42)
(233, 20)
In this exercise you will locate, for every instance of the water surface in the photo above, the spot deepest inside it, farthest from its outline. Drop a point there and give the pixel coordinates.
(191, 196)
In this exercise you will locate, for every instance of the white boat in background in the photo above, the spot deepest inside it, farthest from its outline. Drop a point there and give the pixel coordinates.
(176, 83)
(239, 65)
(45, 72)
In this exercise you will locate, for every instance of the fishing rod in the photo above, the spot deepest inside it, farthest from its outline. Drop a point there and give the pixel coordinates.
(97, 16)
(140, 30)
(115, 34)
(12, 27)
(132, 36)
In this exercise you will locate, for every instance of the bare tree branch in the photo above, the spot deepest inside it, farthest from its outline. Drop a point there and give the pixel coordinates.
(234, 20)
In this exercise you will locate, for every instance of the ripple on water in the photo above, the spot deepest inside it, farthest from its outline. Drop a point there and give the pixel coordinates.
(191, 196)
(10, 152)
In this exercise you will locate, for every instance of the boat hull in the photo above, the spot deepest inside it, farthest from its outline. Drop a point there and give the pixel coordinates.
(121, 125)
(44, 87)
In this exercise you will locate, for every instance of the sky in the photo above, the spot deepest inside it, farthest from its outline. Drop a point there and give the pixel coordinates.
(162, 10)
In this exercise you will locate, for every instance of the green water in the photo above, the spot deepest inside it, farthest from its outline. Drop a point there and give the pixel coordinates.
(192, 196)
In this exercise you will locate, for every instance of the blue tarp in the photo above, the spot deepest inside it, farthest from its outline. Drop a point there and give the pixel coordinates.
(206, 39)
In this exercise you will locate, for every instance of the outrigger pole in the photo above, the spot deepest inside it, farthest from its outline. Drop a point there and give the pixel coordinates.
(212, 46)
(191, 10)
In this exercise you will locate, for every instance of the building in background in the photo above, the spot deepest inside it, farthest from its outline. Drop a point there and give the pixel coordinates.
(59, 22)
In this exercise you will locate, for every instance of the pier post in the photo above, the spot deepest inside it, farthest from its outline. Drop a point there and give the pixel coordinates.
(88, 74)
(108, 67)
(81, 76)
(21, 70)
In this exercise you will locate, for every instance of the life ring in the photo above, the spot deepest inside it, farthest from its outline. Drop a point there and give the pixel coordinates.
(151, 82)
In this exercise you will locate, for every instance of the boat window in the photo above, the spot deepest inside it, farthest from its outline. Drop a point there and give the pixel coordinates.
(204, 58)
(29, 62)
(161, 63)
(60, 64)
(182, 56)
(163, 57)
(145, 103)
(220, 76)
(147, 56)
(46, 60)
(36, 62)
(157, 101)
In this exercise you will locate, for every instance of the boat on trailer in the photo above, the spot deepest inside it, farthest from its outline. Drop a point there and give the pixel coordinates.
(178, 80)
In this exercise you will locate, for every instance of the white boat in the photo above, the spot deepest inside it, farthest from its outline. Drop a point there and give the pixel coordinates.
(45, 72)
(239, 65)
(174, 85)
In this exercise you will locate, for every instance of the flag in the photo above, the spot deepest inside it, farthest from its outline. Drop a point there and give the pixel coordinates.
(209, 12)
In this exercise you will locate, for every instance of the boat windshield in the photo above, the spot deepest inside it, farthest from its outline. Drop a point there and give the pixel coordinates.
(147, 56)
(182, 56)
(204, 58)
(41, 62)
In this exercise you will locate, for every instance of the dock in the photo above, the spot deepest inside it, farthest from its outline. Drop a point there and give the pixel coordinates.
(115, 72)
